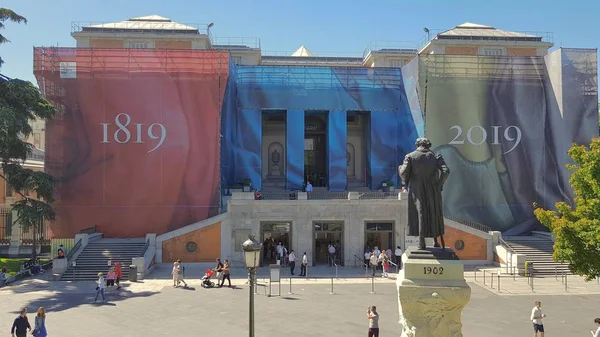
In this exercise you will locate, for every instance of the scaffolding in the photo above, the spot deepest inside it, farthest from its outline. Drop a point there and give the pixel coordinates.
(320, 78)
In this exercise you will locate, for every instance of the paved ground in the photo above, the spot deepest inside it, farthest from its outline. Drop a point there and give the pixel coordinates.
(154, 308)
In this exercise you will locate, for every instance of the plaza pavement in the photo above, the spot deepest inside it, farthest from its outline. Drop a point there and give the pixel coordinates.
(152, 307)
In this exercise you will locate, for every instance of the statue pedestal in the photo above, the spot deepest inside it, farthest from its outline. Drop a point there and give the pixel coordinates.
(432, 292)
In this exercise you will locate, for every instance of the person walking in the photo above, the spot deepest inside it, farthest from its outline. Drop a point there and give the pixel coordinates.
(118, 274)
(292, 260)
(181, 274)
(219, 270)
(373, 263)
(39, 329)
(331, 250)
(536, 318)
(373, 317)
(303, 265)
(226, 274)
(100, 286)
(597, 332)
(398, 254)
(20, 325)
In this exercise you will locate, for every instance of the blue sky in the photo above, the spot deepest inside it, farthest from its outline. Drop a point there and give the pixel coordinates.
(324, 26)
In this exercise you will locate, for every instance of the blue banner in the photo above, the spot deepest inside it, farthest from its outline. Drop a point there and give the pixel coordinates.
(294, 149)
(248, 161)
(337, 136)
(383, 152)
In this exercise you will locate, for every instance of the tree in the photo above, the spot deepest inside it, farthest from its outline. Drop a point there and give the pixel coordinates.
(7, 14)
(577, 230)
(21, 103)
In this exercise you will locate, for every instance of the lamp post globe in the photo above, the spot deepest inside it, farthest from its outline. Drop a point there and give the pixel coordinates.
(251, 249)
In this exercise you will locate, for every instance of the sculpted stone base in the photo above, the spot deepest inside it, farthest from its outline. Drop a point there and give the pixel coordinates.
(432, 311)
(431, 296)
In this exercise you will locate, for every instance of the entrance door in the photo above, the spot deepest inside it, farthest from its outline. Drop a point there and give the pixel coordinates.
(326, 234)
(315, 150)
(272, 233)
(380, 234)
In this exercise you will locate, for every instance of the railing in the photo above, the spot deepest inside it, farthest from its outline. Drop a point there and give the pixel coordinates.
(72, 252)
(332, 261)
(327, 195)
(38, 232)
(145, 248)
(392, 263)
(5, 226)
(403, 47)
(364, 265)
(534, 37)
(472, 224)
(510, 250)
(236, 43)
(89, 230)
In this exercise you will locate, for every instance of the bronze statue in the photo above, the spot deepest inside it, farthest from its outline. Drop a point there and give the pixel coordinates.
(424, 173)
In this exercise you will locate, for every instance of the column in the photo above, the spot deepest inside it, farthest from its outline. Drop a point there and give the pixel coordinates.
(15, 239)
(337, 137)
(382, 147)
(294, 149)
(248, 153)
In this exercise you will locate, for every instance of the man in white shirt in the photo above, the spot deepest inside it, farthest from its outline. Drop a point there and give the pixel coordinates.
(279, 250)
(377, 252)
(597, 332)
(331, 250)
(292, 259)
(304, 265)
(398, 254)
(536, 318)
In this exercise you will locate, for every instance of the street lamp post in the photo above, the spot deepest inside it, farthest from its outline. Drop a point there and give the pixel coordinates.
(251, 249)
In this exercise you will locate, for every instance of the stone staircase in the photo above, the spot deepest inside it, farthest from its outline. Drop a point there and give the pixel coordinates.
(539, 251)
(95, 256)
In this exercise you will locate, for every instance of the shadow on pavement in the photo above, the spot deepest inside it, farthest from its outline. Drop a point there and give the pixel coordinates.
(65, 300)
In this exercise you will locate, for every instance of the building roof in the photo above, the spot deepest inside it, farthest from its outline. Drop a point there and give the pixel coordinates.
(302, 51)
(470, 30)
(143, 23)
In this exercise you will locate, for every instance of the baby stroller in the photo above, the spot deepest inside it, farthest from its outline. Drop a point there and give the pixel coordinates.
(206, 282)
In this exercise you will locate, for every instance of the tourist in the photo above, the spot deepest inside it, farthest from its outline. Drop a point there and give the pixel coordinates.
(118, 274)
(219, 270)
(61, 252)
(331, 250)
(21, 325)
(373, 263)
(292, 259)
(111, 277)
(373, 321)
(597, 332)
(385, 263)
(309, 186)
(367, 256)
(377, 253)
(226, 274)
(100, 286)
(39, 329)
(398, 254)
(303, 265)
(279, 250)
(4, 276)
(536, 318)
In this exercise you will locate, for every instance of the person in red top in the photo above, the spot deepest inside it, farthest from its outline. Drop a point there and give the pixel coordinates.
(119, 274)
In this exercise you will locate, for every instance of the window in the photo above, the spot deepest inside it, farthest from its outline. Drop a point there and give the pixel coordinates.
(237, 60)
(8, 191)
(396, 63)
(139, 44)
(491, 52)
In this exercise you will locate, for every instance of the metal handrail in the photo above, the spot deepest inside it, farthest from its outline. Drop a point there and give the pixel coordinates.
(507, 246)
(364, 264)
(90, 230)
(390, 261)
(469, 223)
(74, 250)
(145, 248)
(335, 265)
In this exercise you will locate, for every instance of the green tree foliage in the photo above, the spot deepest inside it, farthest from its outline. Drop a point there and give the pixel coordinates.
(577, 230)
(21, 103)
(8, 15)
